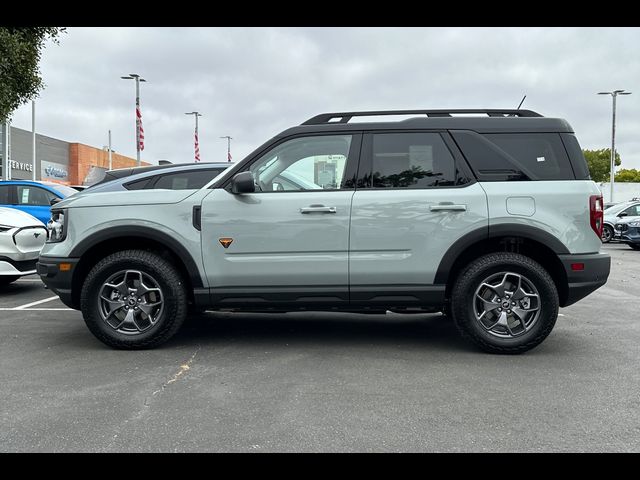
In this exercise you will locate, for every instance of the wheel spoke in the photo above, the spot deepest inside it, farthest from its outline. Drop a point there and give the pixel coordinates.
(120, 287)
(114, 305)
(147, 308)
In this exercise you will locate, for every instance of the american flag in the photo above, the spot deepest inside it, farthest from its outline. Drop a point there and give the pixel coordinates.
(197, 146)
(139, 120)
(228, 156)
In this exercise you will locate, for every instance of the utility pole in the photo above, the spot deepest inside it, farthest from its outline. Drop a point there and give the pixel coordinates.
(138, 79)
(33, 139)
(110, 160)
(196, 144)
(6, 138)
(613, 94)
(228, 146)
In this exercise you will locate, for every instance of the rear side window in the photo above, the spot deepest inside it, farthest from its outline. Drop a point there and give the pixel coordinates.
(411, 160)
(186, 180)
(138, 184)
(515, 156)
(576, 156)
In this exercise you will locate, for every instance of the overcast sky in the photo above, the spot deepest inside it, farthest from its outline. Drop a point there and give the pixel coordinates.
(251, 83)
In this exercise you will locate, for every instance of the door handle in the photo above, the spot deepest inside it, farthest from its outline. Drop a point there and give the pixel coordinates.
(447, 206)
(318, 209)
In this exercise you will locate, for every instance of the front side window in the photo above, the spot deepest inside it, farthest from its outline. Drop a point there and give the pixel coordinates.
(34, 196)
(632, 211)
(5, 194)
(306, 163)
(411, 160)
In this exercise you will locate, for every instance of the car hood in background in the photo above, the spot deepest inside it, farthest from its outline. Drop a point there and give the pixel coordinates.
(12, 217)
(127, 197)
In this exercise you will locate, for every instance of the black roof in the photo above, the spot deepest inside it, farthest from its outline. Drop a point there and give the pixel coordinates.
(496, 120)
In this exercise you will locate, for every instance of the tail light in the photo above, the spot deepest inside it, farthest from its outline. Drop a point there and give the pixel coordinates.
(596, 214)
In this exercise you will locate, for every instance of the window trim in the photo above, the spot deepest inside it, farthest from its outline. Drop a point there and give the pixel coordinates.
(366, 160)
(350, 169)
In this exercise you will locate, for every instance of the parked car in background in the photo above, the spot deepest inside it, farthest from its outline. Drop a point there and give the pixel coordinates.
(627, 230)
(172, 177)
(21, 238)
(31, 197)
(79, 188)
(613, 215)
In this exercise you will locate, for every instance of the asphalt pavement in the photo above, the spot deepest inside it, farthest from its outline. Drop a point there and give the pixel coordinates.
(322, 382)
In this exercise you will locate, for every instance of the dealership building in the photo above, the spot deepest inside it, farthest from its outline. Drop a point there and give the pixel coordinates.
(58, 161)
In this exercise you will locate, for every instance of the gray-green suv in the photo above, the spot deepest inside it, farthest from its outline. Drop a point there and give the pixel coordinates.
(486, 215)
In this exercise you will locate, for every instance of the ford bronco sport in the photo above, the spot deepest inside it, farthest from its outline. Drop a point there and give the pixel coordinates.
(487, 215)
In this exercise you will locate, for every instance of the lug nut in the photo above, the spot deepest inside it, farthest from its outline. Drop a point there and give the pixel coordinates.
(499, 309)
(508, 311)
(513, 303)
(507, 296)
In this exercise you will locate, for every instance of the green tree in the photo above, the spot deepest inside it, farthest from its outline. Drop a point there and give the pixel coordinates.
(20, 50)
(628, 175)
(599, 162)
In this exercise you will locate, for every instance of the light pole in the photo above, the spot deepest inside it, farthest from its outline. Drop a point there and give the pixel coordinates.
(613, 94)
(228, 146)
(196, 144)
(138, 79)
(33, 139)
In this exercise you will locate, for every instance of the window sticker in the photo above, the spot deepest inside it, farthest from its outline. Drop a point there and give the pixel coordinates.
(540, 159)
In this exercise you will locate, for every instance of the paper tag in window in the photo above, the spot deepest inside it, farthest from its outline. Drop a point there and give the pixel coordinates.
(540, 159)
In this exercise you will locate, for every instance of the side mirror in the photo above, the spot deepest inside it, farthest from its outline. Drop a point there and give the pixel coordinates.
(243, 183)
(54, 201)
(623, 214)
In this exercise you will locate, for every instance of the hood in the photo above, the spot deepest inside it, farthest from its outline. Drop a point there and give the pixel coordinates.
(11, 217)
(628, 219)
(125, 197)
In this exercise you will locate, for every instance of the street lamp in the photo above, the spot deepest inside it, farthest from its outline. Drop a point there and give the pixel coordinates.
(197, 143)
(613, 94)
(228, 146)
(138, 79)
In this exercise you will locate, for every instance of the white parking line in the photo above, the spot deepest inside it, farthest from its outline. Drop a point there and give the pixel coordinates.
(4, 309)
(22, 307)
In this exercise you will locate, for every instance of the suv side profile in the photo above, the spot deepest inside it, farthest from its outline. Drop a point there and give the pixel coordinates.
(491, 219)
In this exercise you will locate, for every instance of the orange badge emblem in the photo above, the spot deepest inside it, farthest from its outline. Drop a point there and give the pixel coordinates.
(225, 241)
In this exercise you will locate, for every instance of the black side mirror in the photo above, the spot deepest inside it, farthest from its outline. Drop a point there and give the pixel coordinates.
(243, 183)
(54, 201)
(623, 214)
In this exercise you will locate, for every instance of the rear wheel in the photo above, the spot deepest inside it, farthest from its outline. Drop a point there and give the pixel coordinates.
(504, 303)
(607, 234)
(134, 299)
(635, 246)
(7, 279)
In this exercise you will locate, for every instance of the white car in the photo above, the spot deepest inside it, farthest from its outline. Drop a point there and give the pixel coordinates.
(21, 238)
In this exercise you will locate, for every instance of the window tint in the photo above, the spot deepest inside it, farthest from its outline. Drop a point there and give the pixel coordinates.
(5, 191)
(138, 184)
(309, 163)
(411, 160)
(35, 196)
(187, 180)
(515, 156)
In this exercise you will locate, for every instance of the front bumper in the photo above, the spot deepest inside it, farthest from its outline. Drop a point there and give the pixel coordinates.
(59, 281)
(12, 267)
(580, 283)
(630, 235)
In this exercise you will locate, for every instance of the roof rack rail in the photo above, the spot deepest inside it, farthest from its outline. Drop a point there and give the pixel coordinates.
(345, 117)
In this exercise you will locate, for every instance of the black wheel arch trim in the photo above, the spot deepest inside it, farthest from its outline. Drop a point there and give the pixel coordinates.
(142, 232)
(493, 231)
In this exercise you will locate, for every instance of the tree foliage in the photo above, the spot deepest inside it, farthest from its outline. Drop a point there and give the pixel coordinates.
(599, 163)
(628, 175)
(20, 51)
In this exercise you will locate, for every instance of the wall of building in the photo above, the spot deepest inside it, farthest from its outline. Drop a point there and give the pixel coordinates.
(622, 191)
(57, 160)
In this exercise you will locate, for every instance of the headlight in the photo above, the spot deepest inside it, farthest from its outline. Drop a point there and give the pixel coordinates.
(5, 228)
(634, 224)
(57, 227)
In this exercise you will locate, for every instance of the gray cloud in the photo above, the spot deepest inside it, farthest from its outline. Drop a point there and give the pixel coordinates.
(251, 83)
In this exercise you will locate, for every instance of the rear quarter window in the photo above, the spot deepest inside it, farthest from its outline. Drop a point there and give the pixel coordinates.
(515, 156)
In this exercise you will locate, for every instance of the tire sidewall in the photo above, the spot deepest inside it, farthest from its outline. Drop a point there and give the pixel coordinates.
(91, 307)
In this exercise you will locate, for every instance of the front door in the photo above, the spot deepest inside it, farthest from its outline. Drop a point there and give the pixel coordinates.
(288, 242)
(415, 198)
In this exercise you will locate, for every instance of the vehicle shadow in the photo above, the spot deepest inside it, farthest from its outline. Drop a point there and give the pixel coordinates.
(424, 330)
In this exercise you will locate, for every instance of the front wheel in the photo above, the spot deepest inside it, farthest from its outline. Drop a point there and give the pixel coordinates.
(504, 303)
(607, 234)
(133, 299)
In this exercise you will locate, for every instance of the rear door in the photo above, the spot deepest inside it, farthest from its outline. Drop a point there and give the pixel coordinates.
(415, 198)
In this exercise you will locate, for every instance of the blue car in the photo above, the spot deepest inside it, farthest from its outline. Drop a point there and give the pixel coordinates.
(33, 198)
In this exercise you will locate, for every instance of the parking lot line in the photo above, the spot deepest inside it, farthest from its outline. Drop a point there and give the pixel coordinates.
(13, 309)
(22, 307)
